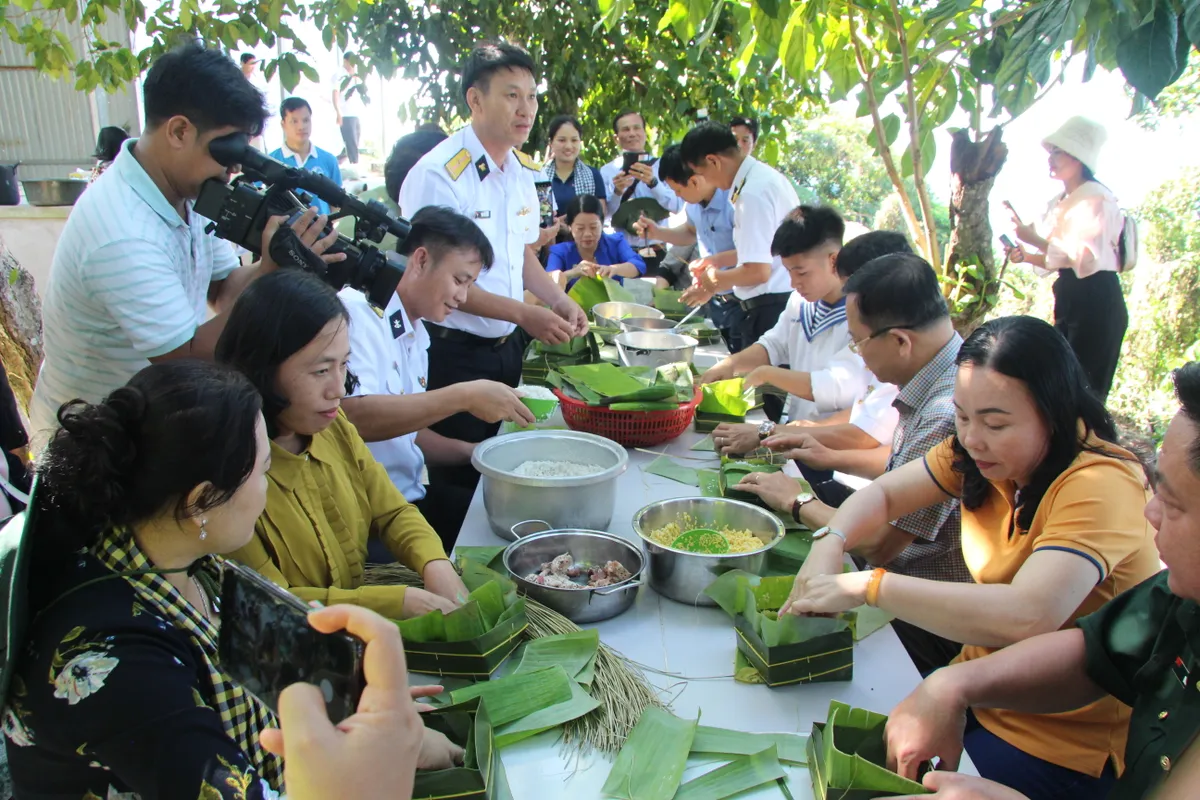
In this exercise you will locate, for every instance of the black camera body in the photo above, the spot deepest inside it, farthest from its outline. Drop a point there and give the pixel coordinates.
(240, 210)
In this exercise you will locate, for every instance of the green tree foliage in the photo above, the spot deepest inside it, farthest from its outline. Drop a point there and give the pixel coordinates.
(831, 158)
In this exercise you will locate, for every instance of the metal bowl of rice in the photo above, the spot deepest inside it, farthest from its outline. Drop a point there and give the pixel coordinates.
(567, 478)
(683, 576)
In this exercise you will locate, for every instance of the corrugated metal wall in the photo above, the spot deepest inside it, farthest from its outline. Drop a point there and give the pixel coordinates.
(46, 124)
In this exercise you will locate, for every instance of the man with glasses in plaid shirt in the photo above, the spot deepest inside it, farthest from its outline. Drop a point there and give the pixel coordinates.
(900, 325)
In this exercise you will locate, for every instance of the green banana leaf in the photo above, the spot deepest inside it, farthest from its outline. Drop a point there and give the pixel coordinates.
(728, 591)
(726, 742)
(512, 697)
(732, 473)
(487, 556)
(679, 375)
(670, 303)
(574, 652)
(590, 291)
(744, 772)
(667, 467)
(604, 379)
(705, 445)
(653, 405)
(577, 705)
(646, 394)
(847, 757)
(710, 482)
(482, 775)
(730, 397)
(650, 765)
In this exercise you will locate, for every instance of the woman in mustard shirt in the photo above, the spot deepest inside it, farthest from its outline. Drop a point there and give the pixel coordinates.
(326, 493)
(1052, 528)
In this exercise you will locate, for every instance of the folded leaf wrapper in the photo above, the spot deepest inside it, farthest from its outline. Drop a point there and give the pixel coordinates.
(481, 777)
(783, 649)
(588, 292)
(847, 758)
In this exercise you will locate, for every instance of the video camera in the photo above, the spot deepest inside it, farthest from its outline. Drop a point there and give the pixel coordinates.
(239, 212)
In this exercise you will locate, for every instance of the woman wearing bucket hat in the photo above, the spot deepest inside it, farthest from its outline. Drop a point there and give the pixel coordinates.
(1082, 246)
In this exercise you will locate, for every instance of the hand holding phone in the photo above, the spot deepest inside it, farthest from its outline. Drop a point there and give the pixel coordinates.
(1016, 217)
(372, 755)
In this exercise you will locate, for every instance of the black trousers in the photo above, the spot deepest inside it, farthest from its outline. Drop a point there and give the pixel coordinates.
(829, 491)
(1090, 313)
(351, 130)
(754, 323)
(452, 362)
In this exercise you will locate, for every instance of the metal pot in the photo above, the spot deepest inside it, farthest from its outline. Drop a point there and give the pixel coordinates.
(527, 554)
(609, 315)
(57, 192)
(585, 502)
(654, 348)
(630, 324)
(684, 576)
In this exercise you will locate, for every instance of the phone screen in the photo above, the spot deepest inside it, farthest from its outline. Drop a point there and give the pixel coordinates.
(546, 202)
(1007, 242)
(266, 645)
(629, 159)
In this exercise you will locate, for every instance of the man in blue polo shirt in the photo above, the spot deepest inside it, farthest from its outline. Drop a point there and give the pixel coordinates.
(295, 115)
(709, 226)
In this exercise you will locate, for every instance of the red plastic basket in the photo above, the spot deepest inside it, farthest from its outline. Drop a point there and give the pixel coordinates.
(628, 428)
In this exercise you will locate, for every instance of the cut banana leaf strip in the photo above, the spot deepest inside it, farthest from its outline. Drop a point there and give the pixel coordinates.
(744, 772)
(648, 394)
(848, 756)
(650, 765)
(722, 741)
(705, 445)
(574, 652)
(666, 467)
(512, 697)
(578, 704)
(866, 620)
(710, 482)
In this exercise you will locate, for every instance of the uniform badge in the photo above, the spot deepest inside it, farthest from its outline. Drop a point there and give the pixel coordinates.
(396, 322)
(1182, 674)
(527, 160)
(483, 215)
(481, 166)
(736, 192)
(524, 210)
(422, 381)
(459, 162)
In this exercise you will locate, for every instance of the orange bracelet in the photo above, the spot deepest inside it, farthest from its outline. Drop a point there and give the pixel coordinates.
(873, 586)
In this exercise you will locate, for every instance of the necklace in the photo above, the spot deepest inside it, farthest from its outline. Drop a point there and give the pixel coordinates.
(205, 608)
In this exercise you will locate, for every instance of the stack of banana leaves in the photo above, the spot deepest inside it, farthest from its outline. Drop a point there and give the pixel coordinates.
(723, 401)
(540, 358)
(663, 749)
(782, 648)
(626, 388)
(668, 301)
(847, 758)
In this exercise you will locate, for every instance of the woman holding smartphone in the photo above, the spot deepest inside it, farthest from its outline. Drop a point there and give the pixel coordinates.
(118, 691)
(593, 253)
(1083, 229)
(326, 493)
(1052, 528)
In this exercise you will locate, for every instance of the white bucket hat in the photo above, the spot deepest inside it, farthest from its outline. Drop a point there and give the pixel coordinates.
(1081, 138)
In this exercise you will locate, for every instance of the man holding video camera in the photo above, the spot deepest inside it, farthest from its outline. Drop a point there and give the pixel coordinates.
(479, 172)
(135, 270)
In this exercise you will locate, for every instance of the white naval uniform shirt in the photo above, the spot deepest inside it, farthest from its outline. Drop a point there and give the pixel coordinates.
(389, 354)
(874, 414)
(838, 374)
(500, 198)
(761, 198)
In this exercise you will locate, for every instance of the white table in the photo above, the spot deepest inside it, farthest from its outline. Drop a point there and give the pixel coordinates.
(690, 652)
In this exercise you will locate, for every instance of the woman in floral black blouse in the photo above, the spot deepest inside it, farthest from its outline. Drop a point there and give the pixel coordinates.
(118, 693)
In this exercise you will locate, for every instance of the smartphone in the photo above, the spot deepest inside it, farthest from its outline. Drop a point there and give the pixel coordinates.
(629, 159)
(1007, 242)
(545, 202)
(266, 644)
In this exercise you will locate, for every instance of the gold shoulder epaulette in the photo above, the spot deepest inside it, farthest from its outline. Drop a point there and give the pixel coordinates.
(527, 160)
(456, 165)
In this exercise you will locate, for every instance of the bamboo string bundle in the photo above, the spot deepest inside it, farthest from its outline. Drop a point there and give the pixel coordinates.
(622, 690)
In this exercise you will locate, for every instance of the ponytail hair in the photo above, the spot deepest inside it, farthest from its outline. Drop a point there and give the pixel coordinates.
(141, 451)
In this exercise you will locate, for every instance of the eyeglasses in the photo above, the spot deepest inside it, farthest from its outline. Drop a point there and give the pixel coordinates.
(856, 346)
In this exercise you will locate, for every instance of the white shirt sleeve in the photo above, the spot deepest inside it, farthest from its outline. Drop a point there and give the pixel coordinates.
(366, 362)
(428, 184)
(778, 340)
(225, 259)
(836, 386)
(874, 414)
(755, 229)
(608, 172)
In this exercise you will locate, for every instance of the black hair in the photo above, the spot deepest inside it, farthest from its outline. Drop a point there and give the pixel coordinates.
(438, 229)
(205, 86)
(405, 154)
(559, 121)
(626, 112)
(1187, 389)
(486, 59)
(899, 290)
(1087, 173)
(867, 247)
(293, 103)
(248, 57)
(584, 204)
(671, 166)
(275, 317)
(1031, 351)
(108, 143)
(746, 122)
(348, 55)
(141, 451)
(805, 228)
(708, 138)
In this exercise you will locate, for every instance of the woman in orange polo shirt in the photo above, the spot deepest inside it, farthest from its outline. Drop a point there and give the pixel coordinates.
(1052, 528)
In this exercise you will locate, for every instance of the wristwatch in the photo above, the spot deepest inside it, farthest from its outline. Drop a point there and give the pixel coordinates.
(821, 533)
(653, 184)
(765, 429)
(801, 499)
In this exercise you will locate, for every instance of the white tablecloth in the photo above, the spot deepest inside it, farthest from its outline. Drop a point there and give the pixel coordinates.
(689, 652)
